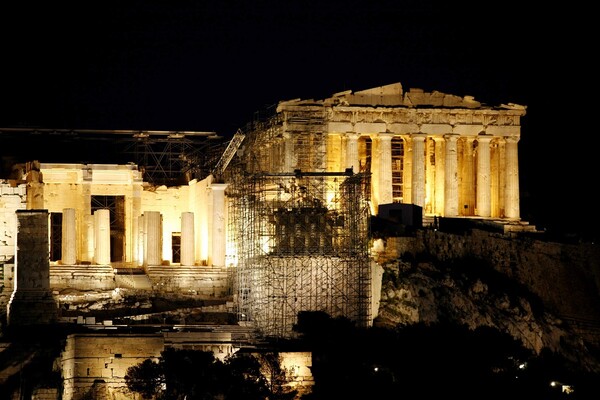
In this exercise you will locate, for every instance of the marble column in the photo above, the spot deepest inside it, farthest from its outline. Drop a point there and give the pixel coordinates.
(418, 170)
(31, 302)
(440, 175)
(384, 155)
(102, 237)
(467, 181)
(483, 204)
(153, 242)
(141, 244)
(88, 238)
(187, 238)
(430, 181)
(451, 176)
(35, 186)
(352, 160)
(218, 226)
(512, 178)
(69, 237)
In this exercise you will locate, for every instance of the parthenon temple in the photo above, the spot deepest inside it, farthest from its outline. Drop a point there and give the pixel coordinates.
(450, 155)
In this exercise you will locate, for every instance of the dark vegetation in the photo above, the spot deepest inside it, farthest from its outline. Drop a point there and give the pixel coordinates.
(439, 361)
(418, 361)
(198, 375)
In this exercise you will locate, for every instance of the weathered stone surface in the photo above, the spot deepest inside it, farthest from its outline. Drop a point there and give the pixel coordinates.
(543, 294)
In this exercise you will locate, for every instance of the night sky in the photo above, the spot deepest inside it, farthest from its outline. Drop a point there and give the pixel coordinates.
(211, 65)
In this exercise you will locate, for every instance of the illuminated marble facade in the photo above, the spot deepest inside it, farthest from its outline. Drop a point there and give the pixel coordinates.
(450, 155)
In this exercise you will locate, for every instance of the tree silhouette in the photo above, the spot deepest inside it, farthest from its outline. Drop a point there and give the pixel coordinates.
(145, 378)
(198, 375)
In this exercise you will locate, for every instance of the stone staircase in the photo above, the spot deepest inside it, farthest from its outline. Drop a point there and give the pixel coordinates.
(83, 277)
(132, 280)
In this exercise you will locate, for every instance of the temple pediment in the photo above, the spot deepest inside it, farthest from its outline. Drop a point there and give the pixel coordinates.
(394, 95)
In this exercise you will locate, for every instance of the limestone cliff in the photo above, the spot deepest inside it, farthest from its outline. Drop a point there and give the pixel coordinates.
(543, 294)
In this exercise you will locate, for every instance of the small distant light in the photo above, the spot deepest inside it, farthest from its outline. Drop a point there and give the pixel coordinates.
(553, 383)
(522, 366)
(376, 369)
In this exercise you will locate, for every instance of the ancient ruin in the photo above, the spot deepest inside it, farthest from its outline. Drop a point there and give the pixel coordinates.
(281, 222)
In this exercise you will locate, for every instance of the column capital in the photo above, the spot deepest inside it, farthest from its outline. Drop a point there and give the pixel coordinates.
(218, 186)
(512, 139)
(383, 136)
(484, 138)
(418, 136)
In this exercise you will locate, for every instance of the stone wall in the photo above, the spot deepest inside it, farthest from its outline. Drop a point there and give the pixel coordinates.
(95, 358)
(298, 369)
(99, 362)
(13, 197)
(82, 277)
(565, 276)
(205, 281)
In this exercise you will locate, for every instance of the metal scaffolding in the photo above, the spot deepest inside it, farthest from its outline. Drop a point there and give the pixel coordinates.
(169, 158)
(302, 245)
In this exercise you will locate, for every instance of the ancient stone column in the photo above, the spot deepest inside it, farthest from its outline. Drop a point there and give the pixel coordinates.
(430, 171)
(451, 177)
(384, 159)
(187, 238)
(439, 176)
(483, 205)
(141, 245)
(352, 160)
(88, 238)
(35, 186)
(418, 170)
(69, 237)
(153, 243)
(512, 178)
(102, 237)
(219, 226)
(31, 302)
(467, 182)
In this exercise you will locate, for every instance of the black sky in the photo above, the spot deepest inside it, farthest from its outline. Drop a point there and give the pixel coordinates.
(211, 65)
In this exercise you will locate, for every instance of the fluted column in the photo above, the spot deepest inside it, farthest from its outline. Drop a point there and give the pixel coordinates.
(219, 226)
(384, 155)
(141, 244)
(187, 238)
(467, 181)
(88, 238)
(451, 176)
(430, 181)
(153, 242)
(418, 170)
(439, 175)
(512, 178)
(69, 237)
(352, 160)
(483, 205)
(102, 237)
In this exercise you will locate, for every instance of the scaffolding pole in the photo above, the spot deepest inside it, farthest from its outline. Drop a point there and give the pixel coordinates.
(302, 245)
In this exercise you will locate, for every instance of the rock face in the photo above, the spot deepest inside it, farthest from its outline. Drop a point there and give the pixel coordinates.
(543, 294)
